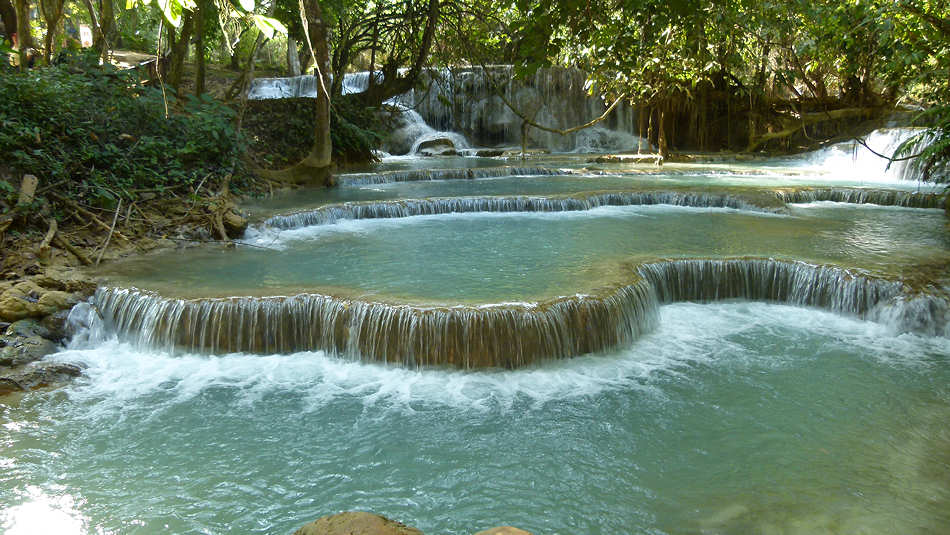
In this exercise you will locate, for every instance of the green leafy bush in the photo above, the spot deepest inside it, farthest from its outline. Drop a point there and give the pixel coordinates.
(97, 133)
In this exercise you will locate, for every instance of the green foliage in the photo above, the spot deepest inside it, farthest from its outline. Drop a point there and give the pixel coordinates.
(101, 135)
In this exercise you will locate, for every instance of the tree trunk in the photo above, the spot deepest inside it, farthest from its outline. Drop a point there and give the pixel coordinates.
(24, 36)
(200, 13)
(661, 134)
(321, 151)
(8, 17)
(107, 21)
(179, 50)
(52, 11)
(293, 60)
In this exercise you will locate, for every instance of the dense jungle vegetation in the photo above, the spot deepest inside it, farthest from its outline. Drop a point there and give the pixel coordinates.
(706, 75)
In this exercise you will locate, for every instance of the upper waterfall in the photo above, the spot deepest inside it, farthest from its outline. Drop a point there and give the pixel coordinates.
(464, 106)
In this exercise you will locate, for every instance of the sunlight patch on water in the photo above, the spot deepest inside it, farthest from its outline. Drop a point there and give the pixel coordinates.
(41, 512)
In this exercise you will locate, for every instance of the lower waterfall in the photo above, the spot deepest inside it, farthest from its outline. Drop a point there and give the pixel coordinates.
(503, 335)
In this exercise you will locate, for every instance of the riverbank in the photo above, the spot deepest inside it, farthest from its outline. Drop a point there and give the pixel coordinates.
(44, 274)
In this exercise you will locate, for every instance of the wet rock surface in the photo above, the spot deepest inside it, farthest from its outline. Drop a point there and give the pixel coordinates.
(33, 314)
(356, 523)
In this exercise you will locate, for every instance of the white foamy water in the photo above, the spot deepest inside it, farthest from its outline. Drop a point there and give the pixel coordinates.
(685, 431)
(119, 373)
(855, 162)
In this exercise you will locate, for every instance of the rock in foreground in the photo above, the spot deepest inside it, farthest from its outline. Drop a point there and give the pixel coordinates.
(356, 523)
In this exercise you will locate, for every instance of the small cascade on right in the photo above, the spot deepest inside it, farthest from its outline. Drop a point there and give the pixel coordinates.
(857, 161)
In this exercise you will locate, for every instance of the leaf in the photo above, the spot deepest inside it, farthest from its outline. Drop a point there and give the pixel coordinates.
(248, 5)
(269, 26)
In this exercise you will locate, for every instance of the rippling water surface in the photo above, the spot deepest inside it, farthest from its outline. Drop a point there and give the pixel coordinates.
(731, 418)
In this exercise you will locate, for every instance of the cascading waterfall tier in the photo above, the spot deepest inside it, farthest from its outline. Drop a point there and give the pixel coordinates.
(506, 336)
(503, 335)
(417, 175)
(907, 199)
(331, 213)
(452, 205)
(466, 101)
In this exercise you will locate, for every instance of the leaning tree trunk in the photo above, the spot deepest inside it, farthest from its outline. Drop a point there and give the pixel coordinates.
(24, 37)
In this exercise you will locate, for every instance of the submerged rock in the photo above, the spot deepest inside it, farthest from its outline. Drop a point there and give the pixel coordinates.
(356, 523)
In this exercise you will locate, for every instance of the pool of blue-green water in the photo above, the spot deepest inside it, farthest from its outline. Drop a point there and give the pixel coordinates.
(587, 177)
(503, 257)
(732, 418)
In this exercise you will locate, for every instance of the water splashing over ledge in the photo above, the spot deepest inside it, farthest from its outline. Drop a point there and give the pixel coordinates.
(769, 201)
(453, 205)
(503, 335)
(416, 175)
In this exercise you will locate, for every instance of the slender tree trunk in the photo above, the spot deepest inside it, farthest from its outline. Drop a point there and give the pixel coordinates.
(293, 59)
(52, 11)
(321, 151)
(24, 36)
(661, 134)
(107, 22)
(200, 14)
(179, 51)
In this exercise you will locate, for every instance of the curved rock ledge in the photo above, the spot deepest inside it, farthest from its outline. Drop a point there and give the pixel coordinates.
(416, 175)
(907, 199)
(506, 335)
(453, 205)
(754, 200)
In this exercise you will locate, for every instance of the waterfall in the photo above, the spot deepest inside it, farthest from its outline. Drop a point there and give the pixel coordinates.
(462, 104)
(505, 335)
(415, 175)
(906, 199)
(854, 160)
(413, 131)
(794, 283)
(466, 100)
(799, 283)
(331, 213)
(431, 206)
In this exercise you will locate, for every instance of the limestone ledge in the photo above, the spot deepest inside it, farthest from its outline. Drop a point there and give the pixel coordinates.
(33, 313)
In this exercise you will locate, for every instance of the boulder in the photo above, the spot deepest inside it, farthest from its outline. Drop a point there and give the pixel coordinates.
(23, 350)
(504, 530)
(23, 342)
(356, 523)
(55, 324)
(441, 146)
(38, 375)
(55, 300)
(14, 307)
(25, 329)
